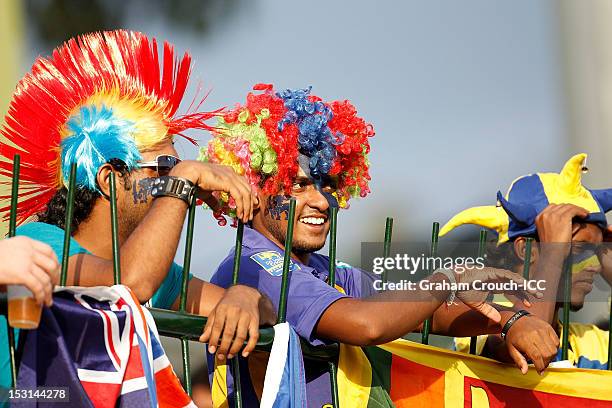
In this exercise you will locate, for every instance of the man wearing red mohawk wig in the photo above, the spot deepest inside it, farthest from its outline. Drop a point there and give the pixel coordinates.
(291, 143)
(107, 103)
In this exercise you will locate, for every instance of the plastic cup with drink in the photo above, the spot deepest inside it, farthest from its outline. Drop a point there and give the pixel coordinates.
(23, 310)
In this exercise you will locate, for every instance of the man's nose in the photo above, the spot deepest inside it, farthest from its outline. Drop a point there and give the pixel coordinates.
(316, 199)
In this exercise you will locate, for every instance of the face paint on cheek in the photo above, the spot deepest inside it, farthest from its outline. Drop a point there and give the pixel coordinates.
(331, 199)
(583, 261)
(277, 206)
(142, 190)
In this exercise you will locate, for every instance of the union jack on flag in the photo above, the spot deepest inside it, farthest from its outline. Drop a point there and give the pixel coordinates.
(104, 347)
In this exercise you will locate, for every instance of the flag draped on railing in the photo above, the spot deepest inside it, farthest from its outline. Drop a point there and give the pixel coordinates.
(285, 384)
(104, 347)
(407, 374)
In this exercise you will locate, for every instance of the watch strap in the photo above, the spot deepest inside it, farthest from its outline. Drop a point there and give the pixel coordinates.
(172, 186)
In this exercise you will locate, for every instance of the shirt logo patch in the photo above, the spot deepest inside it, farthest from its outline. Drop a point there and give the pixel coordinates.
(272, 262)
(344, 265)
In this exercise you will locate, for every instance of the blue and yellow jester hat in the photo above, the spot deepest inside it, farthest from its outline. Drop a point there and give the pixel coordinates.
(515, 213)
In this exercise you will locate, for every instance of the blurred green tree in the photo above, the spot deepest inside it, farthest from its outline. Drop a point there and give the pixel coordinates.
(54, 21)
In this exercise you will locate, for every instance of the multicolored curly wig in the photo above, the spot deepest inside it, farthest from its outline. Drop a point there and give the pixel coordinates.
(264, 138)
(99, 96)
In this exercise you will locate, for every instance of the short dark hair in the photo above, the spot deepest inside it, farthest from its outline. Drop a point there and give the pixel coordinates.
(502, 255)
(55, 213)
(84, 200)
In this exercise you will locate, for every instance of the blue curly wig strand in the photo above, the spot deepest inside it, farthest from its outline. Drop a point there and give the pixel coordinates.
(315, 139)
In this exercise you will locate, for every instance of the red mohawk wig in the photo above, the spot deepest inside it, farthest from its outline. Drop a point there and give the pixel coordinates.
(113, 77)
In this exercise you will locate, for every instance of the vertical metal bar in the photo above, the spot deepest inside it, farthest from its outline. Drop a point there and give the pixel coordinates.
(282, 304)
(433, 252)
(186, 365)
(184, 289)
(482, 245)
(187, 257)
(567, 292)
(11, 345)
(333, 221)
(333, 378)
(114, 229)
(14, 195)
(527, 261)
(333, 226)
(610, 339)
(237, 383)
(68, 223)
(235, 280)
(237, 253)
(387, 244)
(12, 228)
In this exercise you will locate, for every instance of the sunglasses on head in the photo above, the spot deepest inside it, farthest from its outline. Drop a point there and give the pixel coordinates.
(162, 163)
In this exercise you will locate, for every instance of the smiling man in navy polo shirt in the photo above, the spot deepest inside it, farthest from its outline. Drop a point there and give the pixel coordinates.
(292, 144)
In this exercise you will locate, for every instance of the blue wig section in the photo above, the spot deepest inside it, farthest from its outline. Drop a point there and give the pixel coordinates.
(95, 137)
(315, 138)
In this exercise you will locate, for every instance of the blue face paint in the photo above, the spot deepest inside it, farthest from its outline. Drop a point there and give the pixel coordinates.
(142, 190)
(318, 182)
(331, 200)
(277, 206)
(583, 258)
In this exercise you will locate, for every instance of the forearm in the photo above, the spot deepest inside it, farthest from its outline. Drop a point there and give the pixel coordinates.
(495, 347)
(202, 297)
(146, 255)
(458, 320)
(380, 318)
(549, 269)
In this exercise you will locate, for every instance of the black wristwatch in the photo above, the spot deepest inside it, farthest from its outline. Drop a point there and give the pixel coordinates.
(171, 186)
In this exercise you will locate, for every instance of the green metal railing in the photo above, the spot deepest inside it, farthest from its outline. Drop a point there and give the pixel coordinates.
(387, 245)
(186, 326)
(567, 294)
(482, 247)
(235, 280)
(12, 228)
(527, 261)
(433, 252)
(333, 225)
(114, 229)
(68, 224)
(184, 288)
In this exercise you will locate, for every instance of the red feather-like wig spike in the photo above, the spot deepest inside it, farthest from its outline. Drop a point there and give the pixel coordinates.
(119, 70)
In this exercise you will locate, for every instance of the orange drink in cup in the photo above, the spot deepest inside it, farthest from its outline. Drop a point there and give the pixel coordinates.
(23, 311)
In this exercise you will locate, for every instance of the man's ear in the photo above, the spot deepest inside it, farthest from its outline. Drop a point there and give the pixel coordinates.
(259, 205)
(103, 179)
(520, 249)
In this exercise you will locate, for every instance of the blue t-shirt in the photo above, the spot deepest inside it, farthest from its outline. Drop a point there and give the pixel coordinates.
(53, 236)
(309, 295)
